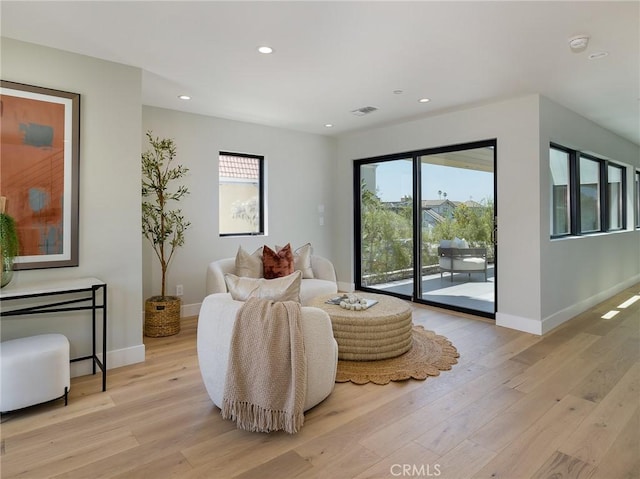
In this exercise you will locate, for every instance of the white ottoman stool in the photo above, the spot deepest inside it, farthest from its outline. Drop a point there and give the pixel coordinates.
(33, 370)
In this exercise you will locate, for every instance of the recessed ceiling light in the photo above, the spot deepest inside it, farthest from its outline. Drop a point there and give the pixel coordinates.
(265, 49)
(398, 92)
(578, 43)
(328, 125)
(184, 97)
(597, 55)
(424, 100)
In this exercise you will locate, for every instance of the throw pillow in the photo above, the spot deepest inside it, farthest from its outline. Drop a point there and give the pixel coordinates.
(459, 243)
(249, 265)
(302, 260)
(277, 264)
(286, 288)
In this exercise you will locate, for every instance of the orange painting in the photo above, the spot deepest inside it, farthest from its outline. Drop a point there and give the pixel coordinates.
(32, 171)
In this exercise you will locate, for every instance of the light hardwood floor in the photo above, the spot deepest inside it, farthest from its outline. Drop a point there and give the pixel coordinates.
(566, 405)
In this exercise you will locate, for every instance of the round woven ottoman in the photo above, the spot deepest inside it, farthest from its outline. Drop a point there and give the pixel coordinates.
(382, 331)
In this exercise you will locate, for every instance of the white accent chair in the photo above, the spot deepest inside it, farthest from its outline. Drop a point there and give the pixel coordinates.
(323, 281)
(215, 327)
(34, 370)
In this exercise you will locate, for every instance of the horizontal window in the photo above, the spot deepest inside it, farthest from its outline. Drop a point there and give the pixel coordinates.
(587, 194)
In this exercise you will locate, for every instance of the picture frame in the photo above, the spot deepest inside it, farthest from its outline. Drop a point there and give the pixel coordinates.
(39, 172)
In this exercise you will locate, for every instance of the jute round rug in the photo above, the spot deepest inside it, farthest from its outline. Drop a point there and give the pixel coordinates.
(429, 354)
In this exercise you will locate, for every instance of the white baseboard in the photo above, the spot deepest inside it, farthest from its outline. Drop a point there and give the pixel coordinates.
(554, 320)
(560, 317)
(115, 359)
(519, 323)
(190, 310)
(126, 356)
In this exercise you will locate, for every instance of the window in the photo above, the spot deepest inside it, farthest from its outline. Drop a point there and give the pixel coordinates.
(615, 196)
(587, 194)
(241, 194)
(637, 199)
(589, 180)
(560, 197)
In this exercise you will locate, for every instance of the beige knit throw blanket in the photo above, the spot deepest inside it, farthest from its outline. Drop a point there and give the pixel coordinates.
(266, 378)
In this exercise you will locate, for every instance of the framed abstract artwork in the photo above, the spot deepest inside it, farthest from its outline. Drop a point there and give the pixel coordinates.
(39, 161)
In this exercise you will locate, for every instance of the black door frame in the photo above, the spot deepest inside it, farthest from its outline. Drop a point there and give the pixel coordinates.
(417, 221)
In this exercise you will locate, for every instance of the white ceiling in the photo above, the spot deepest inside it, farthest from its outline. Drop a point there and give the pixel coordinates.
(334, 57)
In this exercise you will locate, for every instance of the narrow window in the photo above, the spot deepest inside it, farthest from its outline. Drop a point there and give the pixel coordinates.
(560, 198)
(615, 196)
(589, 181)
(241, 194)
(637, 188)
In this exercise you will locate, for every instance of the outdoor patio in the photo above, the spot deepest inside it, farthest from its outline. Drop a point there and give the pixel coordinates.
(466, 290)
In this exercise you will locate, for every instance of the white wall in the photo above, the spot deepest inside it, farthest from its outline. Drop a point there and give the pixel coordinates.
(540, 282)
(524, 261)
(514, 124)
(299, 177)
(581, 271)
(109, 223)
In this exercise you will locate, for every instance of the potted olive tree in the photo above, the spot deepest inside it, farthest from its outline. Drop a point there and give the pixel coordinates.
(8, 243)
(163, 227)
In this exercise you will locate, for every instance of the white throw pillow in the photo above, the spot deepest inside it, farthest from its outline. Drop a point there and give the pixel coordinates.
(249, 265)
(302, 260)
(286, 288)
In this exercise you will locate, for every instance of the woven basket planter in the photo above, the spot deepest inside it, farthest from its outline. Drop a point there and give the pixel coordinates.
(162, 316)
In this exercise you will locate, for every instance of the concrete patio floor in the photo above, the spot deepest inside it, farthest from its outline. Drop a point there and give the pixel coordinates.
(465, 291)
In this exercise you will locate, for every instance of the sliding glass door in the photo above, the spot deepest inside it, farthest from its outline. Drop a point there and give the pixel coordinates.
(386, 225)
(425, 226)
(457, 248)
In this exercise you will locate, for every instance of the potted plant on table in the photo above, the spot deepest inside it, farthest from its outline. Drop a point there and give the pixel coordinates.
(9, 244)
(163, 227)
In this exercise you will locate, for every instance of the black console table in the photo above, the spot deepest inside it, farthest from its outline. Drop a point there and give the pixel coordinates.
(88, 294)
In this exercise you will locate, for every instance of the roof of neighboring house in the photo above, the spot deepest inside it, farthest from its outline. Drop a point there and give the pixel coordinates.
(239, 167)
(433, 203)
(434, 215)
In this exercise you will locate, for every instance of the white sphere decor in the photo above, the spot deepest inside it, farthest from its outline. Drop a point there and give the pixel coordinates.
(353, 302)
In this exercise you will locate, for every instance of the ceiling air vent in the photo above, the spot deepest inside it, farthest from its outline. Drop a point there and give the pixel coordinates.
(365, 110)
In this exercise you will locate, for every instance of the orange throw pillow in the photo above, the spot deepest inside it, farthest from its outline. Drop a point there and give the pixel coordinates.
(277, 265)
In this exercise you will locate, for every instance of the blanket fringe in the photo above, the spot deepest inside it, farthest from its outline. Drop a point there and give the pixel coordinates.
(254, 418)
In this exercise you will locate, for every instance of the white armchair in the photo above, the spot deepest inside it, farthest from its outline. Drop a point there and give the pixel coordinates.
(215, 327)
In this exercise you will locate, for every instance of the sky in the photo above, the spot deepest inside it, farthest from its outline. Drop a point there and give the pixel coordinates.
(394, 180)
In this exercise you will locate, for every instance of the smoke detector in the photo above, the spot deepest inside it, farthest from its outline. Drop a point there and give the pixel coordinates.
(578, 43)
(365, 110)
